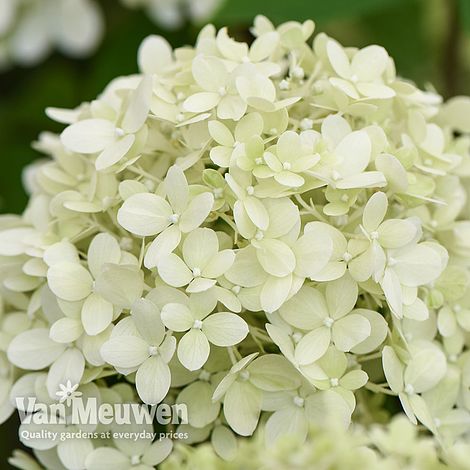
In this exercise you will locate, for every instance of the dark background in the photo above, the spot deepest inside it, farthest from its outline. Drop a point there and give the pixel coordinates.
(429, 40)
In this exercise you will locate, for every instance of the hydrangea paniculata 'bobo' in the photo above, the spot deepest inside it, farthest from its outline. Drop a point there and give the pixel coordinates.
(274, 234)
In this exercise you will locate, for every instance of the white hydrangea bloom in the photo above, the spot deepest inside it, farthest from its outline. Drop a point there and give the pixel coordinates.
(268, 233)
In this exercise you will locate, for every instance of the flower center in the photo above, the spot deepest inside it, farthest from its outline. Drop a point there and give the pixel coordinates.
(298, 401)
(284, 85)
(222, 91)
(334, 382)
(244, 375)
(259, 235)
(297, 336)
(298, 72)
(259, 160)
(197, 272)
(335, 175)
(457, 308)
(197, 325)
(391, 261)
(409, 389)
(374, 235)
(153, 350)
(119, 132)
(328, 322)
(174, 218)
(236, 289)
(347, 257)
(286, 166)
(306, 124)
(135, 460)
(218, 192)
(250, 190)
(204, 376)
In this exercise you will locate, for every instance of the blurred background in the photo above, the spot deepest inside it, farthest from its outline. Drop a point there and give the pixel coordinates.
(429, 40)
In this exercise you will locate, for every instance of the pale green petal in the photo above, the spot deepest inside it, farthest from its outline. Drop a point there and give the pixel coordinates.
(349, 331)
(224, 442)
(146, 317)
(104, 248)
(89, 135)
(196, 212)
(162, 245)
(107, 458)
(193, 349)
(34, 350)
(69, 281)
(199, 247)
(374, 211)
(341, 296)
(312, 346)
(174, 271)
(305, 310)
(393, 369)
(242, 407)
(275, 292)
(153, 380)
(144, 214)
(290, 421)
(354, 379)
(177, 317)
(97, 314)
(121, 285)
(225, 329)
(125, 351)
(395, 233)
(275, 257)
(176, 189)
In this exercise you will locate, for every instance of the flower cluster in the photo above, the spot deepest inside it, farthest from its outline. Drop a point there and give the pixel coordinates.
(30, 29)
(396, 446)
(273, 234)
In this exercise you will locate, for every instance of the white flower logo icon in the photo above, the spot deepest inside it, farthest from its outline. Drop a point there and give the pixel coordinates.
(68, 392)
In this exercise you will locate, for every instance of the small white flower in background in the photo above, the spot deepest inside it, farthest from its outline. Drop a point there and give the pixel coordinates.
(30, 29)
(275, 235)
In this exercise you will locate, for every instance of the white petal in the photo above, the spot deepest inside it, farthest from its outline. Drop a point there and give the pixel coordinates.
(121, 285)
(33, 349)
(125, 351)
(104, 248)
(242, 407)
(374, 211)
(69, 281)
(225, 329)
(177, 317)
(69, 366)
(162, 245)
(153, 380)
(174, 271)
(196, 212)
(144, 214)
(199, 247)
(89, 135)
(275, 257)
(107, 458)
(146, 316)
(193, 349)
(349, 331)
(312, 346)
(154, 54)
